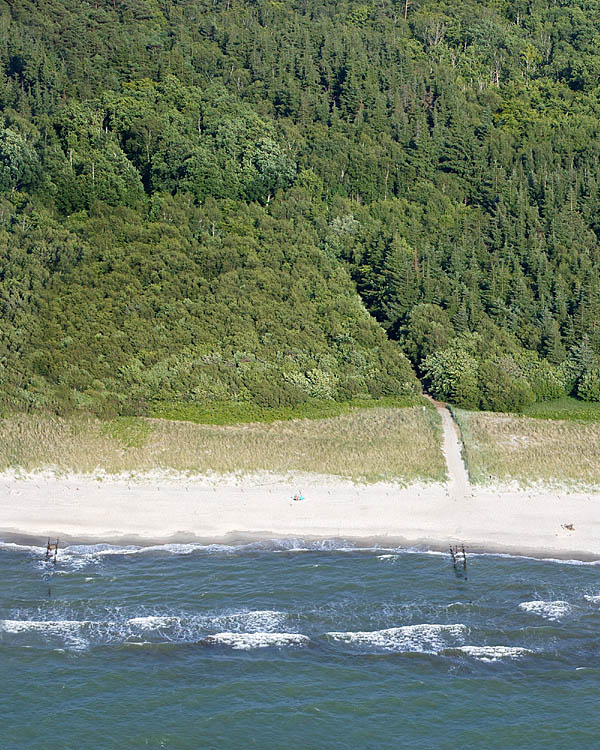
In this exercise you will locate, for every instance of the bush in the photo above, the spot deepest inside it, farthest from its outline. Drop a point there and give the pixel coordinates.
(500, 391)
(547, 383)
(589, 385)
(452, 375)
(348, 388)
(274, 395)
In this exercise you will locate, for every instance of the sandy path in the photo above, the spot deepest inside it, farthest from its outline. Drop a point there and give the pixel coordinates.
(459, 487)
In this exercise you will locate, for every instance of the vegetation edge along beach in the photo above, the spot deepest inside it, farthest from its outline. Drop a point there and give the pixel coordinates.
(228, 229)
(378, 473)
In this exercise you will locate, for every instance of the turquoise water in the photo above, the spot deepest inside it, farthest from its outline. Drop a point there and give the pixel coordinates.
(322, 646)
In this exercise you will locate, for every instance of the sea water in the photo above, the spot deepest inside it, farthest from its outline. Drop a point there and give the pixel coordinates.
(285, 644)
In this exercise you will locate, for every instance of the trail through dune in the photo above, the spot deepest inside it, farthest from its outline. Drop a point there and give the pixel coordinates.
(458, 479)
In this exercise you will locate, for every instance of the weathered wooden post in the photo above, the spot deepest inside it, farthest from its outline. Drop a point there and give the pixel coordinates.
(50, 548)
(459, 560)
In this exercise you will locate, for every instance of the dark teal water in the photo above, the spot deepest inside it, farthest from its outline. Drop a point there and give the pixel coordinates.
(279, 646)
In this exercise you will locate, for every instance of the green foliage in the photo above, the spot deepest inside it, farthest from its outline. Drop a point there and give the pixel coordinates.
(429, 329)
(194, 304)
(500, 391)
(545, 380)
(453, 375)
(484, 375)
(589, 385)
(227, 412)
(19, 162)
(565, 408)
(192, 193)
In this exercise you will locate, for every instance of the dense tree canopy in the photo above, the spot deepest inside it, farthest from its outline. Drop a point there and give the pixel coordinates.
(192, 193)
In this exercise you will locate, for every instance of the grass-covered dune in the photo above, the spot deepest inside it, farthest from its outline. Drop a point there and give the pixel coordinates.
(505, 447)
(363, 445)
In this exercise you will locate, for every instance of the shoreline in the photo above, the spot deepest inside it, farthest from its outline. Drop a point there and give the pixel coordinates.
(166, 508)
(392, 545)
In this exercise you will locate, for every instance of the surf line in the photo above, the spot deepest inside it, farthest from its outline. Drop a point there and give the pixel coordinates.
(51, 556)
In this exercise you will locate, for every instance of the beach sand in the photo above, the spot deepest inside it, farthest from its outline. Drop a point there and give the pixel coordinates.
(160, 507)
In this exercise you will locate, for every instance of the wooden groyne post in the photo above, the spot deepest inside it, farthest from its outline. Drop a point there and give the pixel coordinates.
(459, 560)
(51, 551)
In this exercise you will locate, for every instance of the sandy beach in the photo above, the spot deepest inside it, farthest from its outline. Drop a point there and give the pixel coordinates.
(160, 507)
(174, 506)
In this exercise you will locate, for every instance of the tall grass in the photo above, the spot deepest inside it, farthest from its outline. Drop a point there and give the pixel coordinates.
(500, 447)
(363, 445)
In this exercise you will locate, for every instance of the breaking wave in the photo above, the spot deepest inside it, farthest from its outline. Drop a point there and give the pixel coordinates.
(555, 610)
(155, 628)
(79, 555)
(494, 653)
(72, 634)
(592, 599)
(423, 638)
(247, 641)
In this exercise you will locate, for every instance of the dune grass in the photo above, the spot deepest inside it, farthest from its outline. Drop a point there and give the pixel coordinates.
(363, 445)
(504, 447)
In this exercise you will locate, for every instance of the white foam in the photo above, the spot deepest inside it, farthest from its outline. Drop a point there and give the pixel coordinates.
(592, 599)
(494, 653)
(91, 552)
(68, 630)
(20, 626)
(153, 622)
(260, 620)
(82, 633)
(549, 610)
(23, 548)
(423, 638)
(191, 627)
(247, 641)
(174, 548)
(157, 627)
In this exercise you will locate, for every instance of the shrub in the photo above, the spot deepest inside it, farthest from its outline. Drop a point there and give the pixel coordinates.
(452, 375)
(502, 392)
(589, 385)
(546, 380)
(274, 395)
(569, 373)
(348, 388)
(546, 383)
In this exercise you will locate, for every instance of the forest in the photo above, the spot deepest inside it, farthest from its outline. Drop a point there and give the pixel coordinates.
(279, 201)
